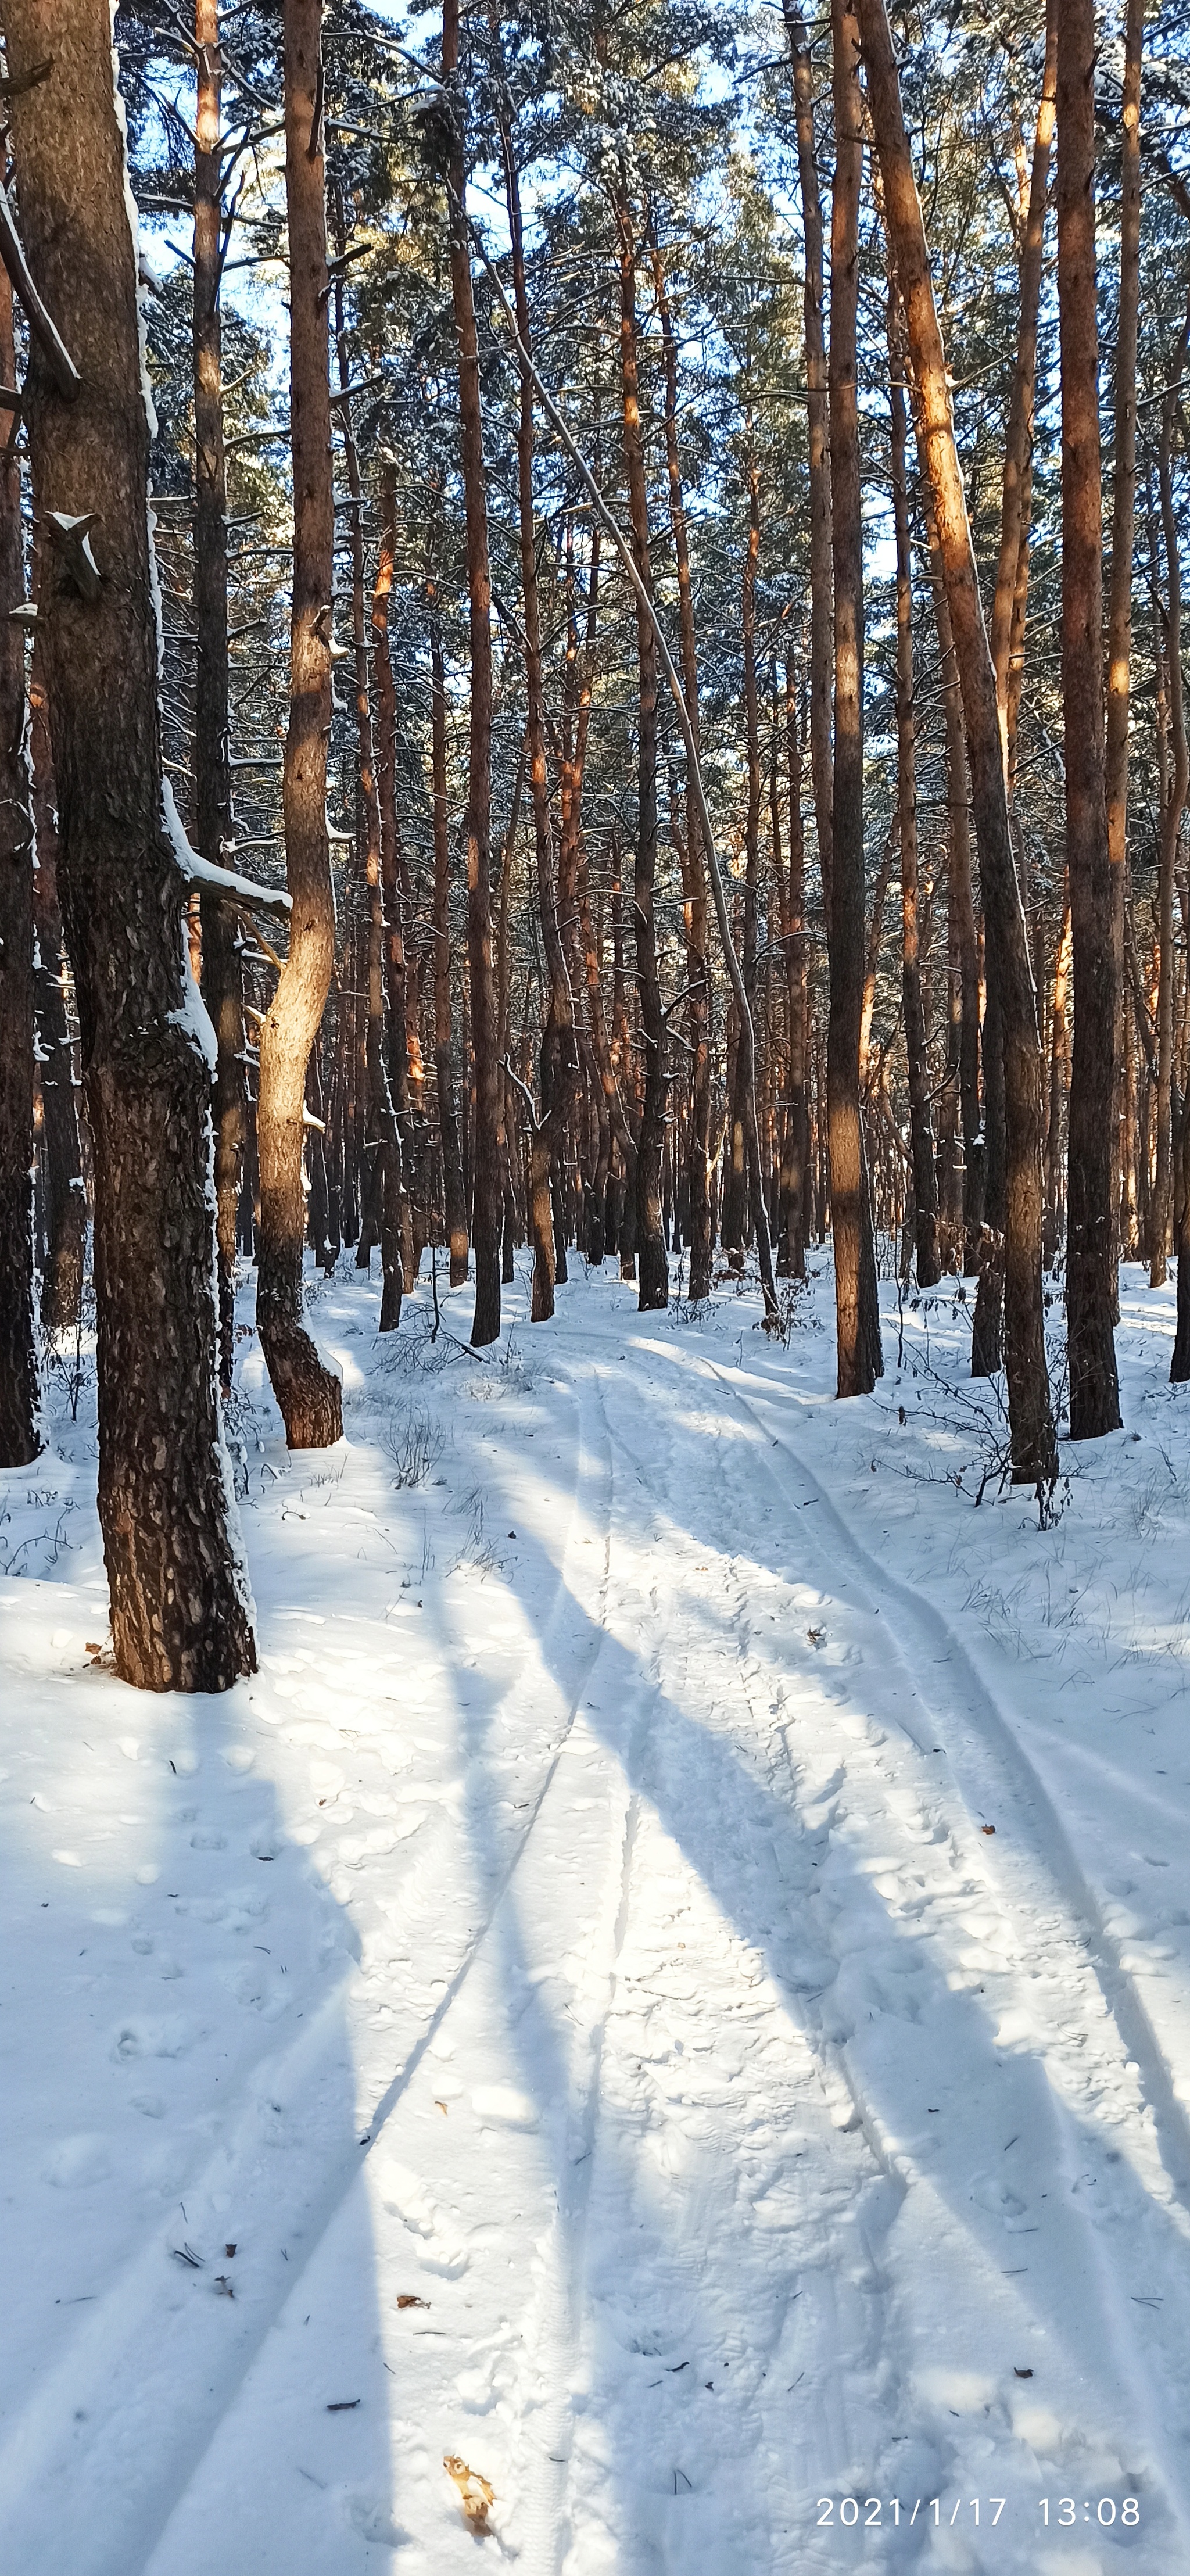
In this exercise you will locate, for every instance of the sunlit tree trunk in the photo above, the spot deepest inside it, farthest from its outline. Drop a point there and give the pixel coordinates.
(309, 1395)
(856, 1312)
(181, 1613)
(1034, 1456)
(1123, 539)
(921, 1138)
(66, 1202)
(650, 1240)
(1173, 805)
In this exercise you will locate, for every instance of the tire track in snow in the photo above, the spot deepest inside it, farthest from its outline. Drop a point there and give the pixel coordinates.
(92, 2468)
(1001, 1779)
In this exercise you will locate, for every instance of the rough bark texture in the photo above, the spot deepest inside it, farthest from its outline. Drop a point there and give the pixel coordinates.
(309, 1395)
(222, 974)
(921, 1137)
(179, 1601)
(857, 1326)
(1034, 1456)
(1123, 539)
(1090, 1237)
(818, 435)
(65, 1196)
(487, 1193)
(19, 1436)
(1176, 786)
(694, 882)
(652, 1258)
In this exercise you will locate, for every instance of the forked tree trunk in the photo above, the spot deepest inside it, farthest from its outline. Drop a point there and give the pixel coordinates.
(181, 1612)
(487, 1192)
(856, 1317)
(20, 1439)
(1034, 1454)
(222, 973)
(921, 1136)
(1090, 1227)
(309, 1395)
(65, 1196)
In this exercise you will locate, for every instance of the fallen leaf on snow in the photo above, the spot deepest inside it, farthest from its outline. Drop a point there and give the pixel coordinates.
(475, 2495)
(409, 2299)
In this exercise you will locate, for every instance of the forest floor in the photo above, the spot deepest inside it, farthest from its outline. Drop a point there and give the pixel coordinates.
(670, 1991)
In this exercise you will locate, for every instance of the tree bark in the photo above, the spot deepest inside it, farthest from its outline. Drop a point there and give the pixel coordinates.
(400, 986)
(818, 435)
(66, 1198)
(309, 1395)
(652, 1259)
(921, 1137)
(20, 1438)
(181, 1611)
(1123, 541)
(222, 973)
(487, 1181)
(1090, 1232)
(1034, 1454)
(857, 1324)
(1018, 443)
(1173, 808)
(694, 883)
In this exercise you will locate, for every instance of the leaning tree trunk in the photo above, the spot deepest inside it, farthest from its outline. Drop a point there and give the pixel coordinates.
(857, 1319)
(1034, 1454)
(19, 1436)
(222, 972)
(1090, 1228)
(487, 1193)
(309, 1395)
(181, 1611)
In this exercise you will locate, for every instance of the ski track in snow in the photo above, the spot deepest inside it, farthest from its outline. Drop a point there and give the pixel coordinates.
(740, 2126)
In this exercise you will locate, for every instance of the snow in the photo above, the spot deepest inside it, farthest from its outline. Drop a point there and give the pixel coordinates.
(673, 1980)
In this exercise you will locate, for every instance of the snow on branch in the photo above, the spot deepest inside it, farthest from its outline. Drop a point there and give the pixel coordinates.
(202, 872)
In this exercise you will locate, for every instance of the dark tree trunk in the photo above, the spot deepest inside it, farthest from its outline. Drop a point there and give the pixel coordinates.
(857, 1324)
(65, 1196)
(309, 1395)
(487, 1177)
(650, 1240)
(1034, 1454)
(818, 434)
(1091, 1234)
(19, 1436)
(222, 973)
(179, 1598)
(396, 972)
(454, 1203)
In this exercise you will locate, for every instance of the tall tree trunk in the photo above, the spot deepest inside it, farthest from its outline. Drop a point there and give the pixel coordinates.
(309, 1395)
(694, 882)
(1173, 807)
(559, 1058)
(222, 972)
(1018, 443)
(961, 908)
(487, 1183)
(650, 1240)
(449, 1139)
(857, 1321)
(1034, 1455)
(1123, 541)
(402, 1002)
(921, 1138)
(1090, 1229)
(388, 1191)
(20, 1438)
(181, 1611)
(66, 1198)
(818, 434)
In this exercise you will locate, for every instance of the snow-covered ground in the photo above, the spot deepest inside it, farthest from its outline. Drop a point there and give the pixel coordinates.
(670, 1993)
